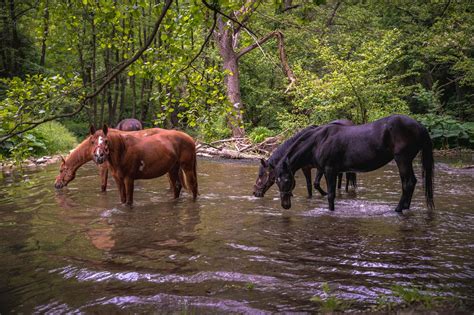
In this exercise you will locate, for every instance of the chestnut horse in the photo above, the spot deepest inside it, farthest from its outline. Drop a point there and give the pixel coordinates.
(83, 153)
(127, 124)
(130, 158)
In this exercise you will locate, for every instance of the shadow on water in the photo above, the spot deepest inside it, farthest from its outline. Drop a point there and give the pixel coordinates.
(80, 250)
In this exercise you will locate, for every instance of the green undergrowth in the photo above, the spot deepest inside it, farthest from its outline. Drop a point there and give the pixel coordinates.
(47, 139)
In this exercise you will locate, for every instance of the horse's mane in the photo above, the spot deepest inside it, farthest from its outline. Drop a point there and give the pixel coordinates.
(280, 152)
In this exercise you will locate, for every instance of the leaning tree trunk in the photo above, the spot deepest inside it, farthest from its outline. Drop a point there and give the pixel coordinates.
(225, 40)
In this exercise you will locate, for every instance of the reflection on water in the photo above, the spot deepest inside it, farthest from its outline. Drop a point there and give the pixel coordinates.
(80, 250)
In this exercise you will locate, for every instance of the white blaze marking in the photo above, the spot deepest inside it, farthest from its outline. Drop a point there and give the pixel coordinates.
(142, 166)
(97, 152)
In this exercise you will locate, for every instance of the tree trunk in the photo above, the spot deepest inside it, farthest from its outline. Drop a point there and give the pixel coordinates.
(94, 70)
(45, 33)
(225, 41)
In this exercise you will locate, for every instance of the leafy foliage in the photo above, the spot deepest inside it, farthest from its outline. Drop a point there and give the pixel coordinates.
(447, 132)
(259, 134)
(354, 60)
(330, 303)
(48, 138)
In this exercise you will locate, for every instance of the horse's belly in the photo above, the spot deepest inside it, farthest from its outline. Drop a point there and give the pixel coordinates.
(367, 165)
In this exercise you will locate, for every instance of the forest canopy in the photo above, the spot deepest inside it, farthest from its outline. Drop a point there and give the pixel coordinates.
(229, 68)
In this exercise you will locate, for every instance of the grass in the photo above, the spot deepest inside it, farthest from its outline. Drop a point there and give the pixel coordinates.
(416, 299)
(330, 303)
(55, 137)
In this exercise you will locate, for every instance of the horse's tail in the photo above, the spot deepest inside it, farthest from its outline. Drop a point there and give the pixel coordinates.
(428, 167)
(189, 182)
(195, 174)
(182, 178)
(351, 179)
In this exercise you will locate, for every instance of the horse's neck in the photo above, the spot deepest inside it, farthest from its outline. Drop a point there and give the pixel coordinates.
(117, 150)
(299, 154)
(79, 156)
(281, 151)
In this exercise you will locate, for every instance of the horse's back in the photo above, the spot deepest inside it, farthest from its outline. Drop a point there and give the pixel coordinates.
(129, 124)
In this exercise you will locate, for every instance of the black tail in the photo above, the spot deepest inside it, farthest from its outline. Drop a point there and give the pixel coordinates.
(428, 168)
(351, 179)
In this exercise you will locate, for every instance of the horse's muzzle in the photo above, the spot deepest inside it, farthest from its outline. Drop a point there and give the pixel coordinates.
(286, 201)
(59, 185)
(99, 159)
(258, 194)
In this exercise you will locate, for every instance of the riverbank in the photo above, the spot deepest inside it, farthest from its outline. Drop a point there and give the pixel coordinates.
(244, 149)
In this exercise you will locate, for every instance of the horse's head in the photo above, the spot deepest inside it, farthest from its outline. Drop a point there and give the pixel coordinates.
(100, 144)
(265, 179)
(66, 174)
(286, 182)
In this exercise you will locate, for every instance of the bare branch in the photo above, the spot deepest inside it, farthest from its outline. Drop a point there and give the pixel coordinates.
(281, 49)
(247, 13)
(227, 16)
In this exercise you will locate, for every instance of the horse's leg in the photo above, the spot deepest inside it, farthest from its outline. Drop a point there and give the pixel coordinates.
(307, 174)
(189, 169)
(331, 178)
(129, 186)
(104, 172)
(408, 180)
(174, 179)
(317, 182)
(121, 187)
(339, 181)
(410, 185)
(347, 181)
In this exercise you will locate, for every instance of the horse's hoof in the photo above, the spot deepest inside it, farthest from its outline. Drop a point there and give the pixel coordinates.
(397, 210)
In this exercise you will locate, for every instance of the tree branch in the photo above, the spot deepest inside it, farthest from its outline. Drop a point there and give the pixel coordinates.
(208, 37)
(331, 18)
(109, 78)
(281, 49)
(228, 17)
(246, 14)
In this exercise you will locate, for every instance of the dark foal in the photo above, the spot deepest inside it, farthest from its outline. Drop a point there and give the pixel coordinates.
(266, 172)
(363, 148)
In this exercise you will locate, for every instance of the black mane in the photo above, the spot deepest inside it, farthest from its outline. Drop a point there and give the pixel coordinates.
(281, 150)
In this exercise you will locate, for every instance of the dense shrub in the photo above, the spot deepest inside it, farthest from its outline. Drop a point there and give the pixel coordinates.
(48, 138)
(259, 134)
(447, 132)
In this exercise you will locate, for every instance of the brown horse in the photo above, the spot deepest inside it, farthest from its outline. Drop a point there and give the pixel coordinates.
(129, 124)
(130, 158)
(83, 153)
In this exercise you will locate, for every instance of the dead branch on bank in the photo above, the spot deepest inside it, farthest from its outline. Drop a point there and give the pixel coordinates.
(239, 148)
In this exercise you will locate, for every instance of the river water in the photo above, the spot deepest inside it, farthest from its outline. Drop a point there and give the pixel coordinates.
(80, 250)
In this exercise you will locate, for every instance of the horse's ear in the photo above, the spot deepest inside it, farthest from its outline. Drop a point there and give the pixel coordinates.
(62, 159)
(263, 162)
(105, 129)
(92, 129)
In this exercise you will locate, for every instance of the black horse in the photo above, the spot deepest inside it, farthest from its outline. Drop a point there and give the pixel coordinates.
(266, 173)
(334, 149)
(129, 124)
